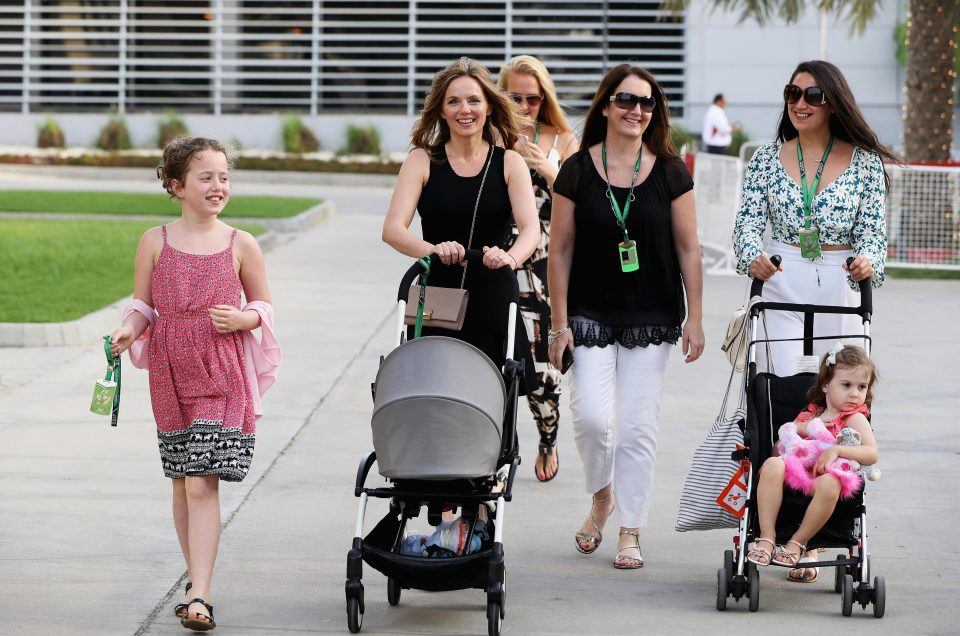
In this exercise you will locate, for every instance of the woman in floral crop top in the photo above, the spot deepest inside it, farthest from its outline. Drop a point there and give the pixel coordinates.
(822, 187)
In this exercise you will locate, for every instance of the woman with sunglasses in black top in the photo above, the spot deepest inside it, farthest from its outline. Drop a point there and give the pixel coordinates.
(545, 142)
(624, 256)
(822, 187)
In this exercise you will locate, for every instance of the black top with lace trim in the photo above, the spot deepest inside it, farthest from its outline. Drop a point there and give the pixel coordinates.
(625, 303)
(590, 333)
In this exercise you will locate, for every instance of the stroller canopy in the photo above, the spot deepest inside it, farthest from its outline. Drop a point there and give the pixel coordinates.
(438, 411)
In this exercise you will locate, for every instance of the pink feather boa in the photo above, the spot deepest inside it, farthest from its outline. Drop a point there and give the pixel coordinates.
(800, 455)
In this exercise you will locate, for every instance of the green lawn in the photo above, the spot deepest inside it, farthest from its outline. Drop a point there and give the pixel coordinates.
(53, 271)
(138, 203)
(910, 272)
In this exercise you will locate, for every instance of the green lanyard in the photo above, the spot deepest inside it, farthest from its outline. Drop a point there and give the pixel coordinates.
(113, 367)
(808, 192)
(536, 138)
(621, 216)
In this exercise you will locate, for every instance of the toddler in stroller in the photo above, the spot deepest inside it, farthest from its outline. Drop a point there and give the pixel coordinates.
(444, 436)
(810, 496)
(809, 459)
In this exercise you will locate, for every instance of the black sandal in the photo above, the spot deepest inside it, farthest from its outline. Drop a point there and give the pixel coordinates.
(197, 621)
(180, 609)
(545, 451)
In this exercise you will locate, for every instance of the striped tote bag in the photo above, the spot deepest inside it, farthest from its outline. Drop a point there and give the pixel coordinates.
(712, 469)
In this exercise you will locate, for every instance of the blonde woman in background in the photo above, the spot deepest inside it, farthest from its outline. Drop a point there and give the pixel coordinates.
(546, 141)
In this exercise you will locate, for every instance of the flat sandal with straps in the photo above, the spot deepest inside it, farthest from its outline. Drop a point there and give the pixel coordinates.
(593, 541)
(629, 562)
(759, 556)
(180, 609)
(198, 621)
(786, 558)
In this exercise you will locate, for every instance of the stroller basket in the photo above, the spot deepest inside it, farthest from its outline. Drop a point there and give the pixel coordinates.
(438, 411)
(440, 574)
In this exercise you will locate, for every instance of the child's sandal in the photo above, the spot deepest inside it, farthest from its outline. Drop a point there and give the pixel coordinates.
(786, 558)
(759, 556)
(198, 621)
(180, 609)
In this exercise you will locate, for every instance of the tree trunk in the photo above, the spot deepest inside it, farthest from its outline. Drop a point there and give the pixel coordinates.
(930, 83)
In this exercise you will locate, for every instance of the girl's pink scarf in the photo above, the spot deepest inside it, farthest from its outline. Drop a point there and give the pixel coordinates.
(800, 454)
(261, 358)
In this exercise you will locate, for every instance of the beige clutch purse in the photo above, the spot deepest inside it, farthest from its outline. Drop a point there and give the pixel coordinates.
(443, 307)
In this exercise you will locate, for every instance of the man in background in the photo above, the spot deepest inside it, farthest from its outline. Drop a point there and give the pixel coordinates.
(717, 131)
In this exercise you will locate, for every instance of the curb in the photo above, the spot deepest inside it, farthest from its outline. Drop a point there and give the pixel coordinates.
(91, 328)
(305, 220)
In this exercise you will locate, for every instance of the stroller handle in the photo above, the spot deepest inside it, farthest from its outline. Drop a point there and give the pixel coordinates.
(866, 290)
(471, 256)
(757, 285)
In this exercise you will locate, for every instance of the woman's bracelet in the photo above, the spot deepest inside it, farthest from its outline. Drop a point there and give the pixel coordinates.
(516, 265)
(553, 335)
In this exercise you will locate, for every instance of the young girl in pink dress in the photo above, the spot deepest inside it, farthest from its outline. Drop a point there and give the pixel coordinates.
(207, 372)
(810, 460)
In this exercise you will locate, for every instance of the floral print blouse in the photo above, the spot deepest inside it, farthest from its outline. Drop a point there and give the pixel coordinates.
(848, 211)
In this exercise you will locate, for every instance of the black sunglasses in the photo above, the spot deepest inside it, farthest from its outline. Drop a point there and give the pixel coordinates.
(533, 100)
(813, 95)
(629, 101)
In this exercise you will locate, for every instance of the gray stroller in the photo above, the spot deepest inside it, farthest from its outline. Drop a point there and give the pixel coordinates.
(444, 424)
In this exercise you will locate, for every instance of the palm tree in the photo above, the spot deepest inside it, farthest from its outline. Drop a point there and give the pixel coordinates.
(931, 44)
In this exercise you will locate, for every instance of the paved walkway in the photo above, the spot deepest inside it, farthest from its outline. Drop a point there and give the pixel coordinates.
(87, 544)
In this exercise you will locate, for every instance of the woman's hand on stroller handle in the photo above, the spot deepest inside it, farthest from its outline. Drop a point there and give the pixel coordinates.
(860, 268)
(450, 252)
(496, 257)
(766, 267)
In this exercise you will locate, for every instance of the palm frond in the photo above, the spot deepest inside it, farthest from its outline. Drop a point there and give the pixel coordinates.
(858, 13)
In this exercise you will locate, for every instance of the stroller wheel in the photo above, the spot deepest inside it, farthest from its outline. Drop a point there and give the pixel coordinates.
(753, 587)
(354, 616)
(393, 592)
(879, 596)
(494, 618)
(723, 577)
(846, 595)
(728, 561)
(838, 573)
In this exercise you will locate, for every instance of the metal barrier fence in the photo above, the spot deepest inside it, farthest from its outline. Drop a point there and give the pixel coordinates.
(923, 217)
(922, 210)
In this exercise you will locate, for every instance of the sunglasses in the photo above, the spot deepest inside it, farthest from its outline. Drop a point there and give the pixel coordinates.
(813, 95)
(532, 100)
(629, 101)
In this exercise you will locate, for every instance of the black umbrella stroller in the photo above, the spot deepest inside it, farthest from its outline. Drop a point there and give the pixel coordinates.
(444, 423)
(772, 400)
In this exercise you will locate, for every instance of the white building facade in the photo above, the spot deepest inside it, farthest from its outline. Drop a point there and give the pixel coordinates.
(229, 67)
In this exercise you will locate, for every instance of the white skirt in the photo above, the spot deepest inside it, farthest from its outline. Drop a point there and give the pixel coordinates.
(822, 281)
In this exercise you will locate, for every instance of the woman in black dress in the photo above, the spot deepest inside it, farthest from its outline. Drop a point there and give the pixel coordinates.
(463, 119)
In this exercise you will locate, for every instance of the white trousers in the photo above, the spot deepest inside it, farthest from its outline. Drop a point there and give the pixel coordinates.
(615, 397)
(819, 282)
